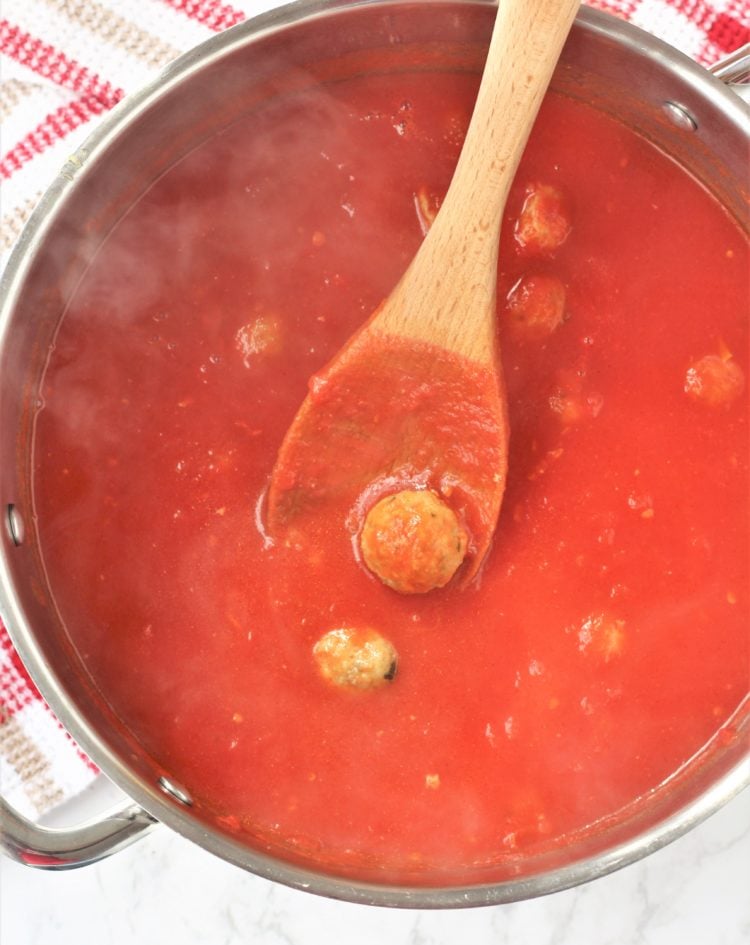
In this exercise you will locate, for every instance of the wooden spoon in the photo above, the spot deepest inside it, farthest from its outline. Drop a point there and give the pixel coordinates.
(416, 398)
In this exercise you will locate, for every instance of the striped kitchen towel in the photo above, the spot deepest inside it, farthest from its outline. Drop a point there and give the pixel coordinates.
(65, 63)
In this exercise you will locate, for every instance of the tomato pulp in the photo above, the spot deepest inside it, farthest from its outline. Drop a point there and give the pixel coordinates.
(605, 640)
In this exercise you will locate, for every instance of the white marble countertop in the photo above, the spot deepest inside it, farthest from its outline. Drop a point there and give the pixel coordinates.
(165, 890)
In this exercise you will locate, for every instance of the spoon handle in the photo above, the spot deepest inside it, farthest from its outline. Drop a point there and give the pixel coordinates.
(454, 273)
(527, 39)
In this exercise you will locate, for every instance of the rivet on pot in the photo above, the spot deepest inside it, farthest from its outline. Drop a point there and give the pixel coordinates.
(680, 116)
(175, 791)
(14, 524)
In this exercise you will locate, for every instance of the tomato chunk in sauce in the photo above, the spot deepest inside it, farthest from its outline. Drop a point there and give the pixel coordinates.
(605, 640)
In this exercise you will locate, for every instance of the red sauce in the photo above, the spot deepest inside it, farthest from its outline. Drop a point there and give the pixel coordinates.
(605, 640)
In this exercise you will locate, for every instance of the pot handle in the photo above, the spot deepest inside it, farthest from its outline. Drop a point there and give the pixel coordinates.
(55, 848)
(734, 71)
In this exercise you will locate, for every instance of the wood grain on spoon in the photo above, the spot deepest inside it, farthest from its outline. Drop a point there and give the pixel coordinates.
(416, 400)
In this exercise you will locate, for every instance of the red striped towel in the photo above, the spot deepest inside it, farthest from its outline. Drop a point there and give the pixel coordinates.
(63, 64)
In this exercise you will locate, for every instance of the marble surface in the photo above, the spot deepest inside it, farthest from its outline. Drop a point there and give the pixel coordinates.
(165, 890)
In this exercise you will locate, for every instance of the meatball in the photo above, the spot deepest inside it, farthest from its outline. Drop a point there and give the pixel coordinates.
(714, 380)
(603, 634)
(535, 307)
(413, 541)
(569, 405)
(544, 222)
(355, 658)
(262, 336)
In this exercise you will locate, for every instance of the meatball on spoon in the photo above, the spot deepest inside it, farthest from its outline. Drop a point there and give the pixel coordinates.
(416, 399)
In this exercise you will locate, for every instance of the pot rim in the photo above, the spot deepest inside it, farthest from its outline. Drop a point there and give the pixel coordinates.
(167, 807)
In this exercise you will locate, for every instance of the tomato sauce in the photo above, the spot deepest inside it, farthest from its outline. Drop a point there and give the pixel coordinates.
(604, 641)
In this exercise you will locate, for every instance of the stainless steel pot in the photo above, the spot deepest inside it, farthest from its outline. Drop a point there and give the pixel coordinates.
(689, 113)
